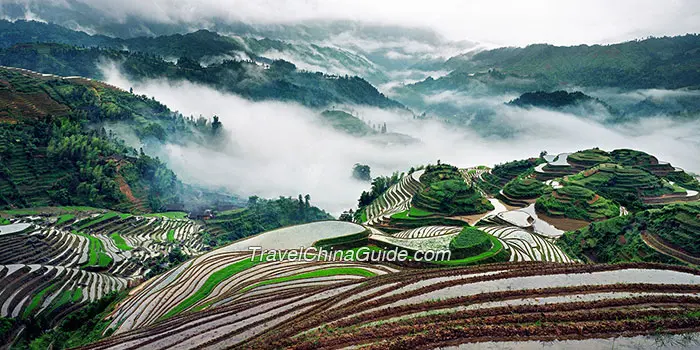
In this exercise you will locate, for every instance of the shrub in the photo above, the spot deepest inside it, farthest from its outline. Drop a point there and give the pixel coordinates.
(471, 241)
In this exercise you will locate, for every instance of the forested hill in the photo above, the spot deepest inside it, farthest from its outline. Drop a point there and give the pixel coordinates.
(231, 66)
(195, 45)
(668, 62)
(54, 149)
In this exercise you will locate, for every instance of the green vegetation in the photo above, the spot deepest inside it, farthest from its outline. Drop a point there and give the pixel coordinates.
(38, 299)
(54, 150)
(493, 181)
(451, 197)
(626, 65)
(280, 81)
(314, 274)
(344, 242)
(120, 242)
(684, 179)
(259, 216)
(619, 239)
(4, 221)
(412, 212)
(525, 188)
(171, 236)
(554, 100)
(83, 224)
(497, 253)
(211, 282)
(447, 194)
(6, 326)
(469, 242)
(379, 185)
(577, 202)
(630, 157)
(77, 295)
(625, 185)
(169, 215)
(64, 218)
(589, 157)
(347, 123)
(97, 255)
(78, 328)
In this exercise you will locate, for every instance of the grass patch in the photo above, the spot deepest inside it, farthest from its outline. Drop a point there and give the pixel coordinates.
(314, 274)
(119, 241)
(20, 212)
(96, 256)
(77, 295)
(497, 253)
(213, 280)
(64, 218)
(169, 215)
(171, 236)
(4, 221)
(38, 298)
(470, 242)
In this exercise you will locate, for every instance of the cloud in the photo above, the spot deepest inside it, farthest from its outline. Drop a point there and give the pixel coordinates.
(284, 149)
(503, 22)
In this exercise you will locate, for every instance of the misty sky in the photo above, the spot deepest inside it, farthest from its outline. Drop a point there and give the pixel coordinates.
(498, 22)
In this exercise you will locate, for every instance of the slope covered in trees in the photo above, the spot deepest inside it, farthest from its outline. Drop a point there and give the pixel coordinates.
(668, 234)
(666, 62)
(230, 65)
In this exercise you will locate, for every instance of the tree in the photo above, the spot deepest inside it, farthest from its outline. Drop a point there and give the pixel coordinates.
(216, 125)
(347, 215)
(307, 200)
(361, 172)
(384, 128)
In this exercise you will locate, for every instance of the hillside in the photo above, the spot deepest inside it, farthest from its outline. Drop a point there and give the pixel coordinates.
(576, 202)
(229, 63)
(512, 253)
(279, 81)
(54, 150)
(668, 234)
(196, 45)
(665, 63)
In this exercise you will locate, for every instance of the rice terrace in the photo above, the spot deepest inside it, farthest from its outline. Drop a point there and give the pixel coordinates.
(349, 175)
(512, 273)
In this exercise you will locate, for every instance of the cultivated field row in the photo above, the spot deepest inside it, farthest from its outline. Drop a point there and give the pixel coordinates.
(394, 200)
(428, 231)
(117, 245)
(34, 289)
(417, 308)
(221, 278)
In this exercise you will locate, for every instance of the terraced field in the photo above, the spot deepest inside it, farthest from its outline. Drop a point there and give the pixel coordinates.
(116, 244)
(577, 202)
(524, 189)
(432, 308)
(523, 242)
(428, 231)
(222, 279)
(620, 183)
(555, 166)
(31, 290)
(396, 199)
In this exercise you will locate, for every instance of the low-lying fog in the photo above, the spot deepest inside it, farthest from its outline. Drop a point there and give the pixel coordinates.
(282, 149)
